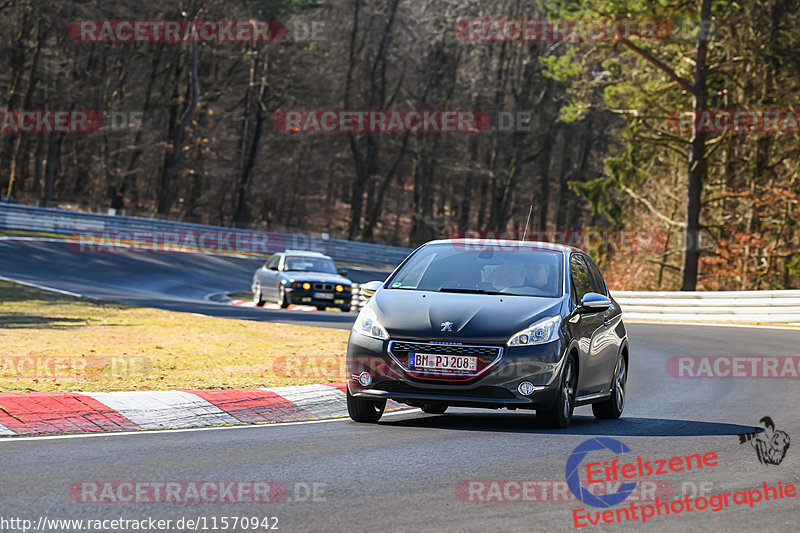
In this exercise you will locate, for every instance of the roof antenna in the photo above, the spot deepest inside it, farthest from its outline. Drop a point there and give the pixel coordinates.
(526, 223)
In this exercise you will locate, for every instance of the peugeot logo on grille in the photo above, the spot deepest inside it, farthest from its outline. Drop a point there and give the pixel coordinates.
(447, 326)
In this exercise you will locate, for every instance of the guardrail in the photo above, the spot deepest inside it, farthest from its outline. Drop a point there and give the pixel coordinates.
(22, 217)
(766, 307)
(774, 307)
(358, 299)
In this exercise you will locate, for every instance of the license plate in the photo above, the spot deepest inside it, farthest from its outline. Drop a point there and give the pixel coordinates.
(323, 296)
(427, 361)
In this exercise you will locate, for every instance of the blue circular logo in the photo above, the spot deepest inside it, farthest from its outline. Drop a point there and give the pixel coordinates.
(574, 482)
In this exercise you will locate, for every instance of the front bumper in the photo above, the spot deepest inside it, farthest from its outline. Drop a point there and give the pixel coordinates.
(494, 388)
(303, 297)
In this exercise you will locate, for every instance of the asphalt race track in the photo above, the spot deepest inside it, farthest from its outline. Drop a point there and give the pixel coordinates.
(172, 281)
(408, 473)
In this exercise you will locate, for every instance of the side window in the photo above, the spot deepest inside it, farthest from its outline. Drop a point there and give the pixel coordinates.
(581, 280)
(273, 261)
(599, 282)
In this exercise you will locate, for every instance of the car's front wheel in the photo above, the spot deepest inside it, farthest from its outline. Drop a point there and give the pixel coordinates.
(283, 301)
(560, 414)
(367, 411)
(612, 408)
(258, 299)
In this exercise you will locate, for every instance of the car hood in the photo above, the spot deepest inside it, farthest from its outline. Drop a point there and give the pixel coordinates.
(489, 318)
(315, 277)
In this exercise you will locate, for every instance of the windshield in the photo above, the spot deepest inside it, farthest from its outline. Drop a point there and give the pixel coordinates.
(489, 270)
(309, 264)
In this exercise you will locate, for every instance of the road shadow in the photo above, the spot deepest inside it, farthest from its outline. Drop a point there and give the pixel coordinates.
(581, 425)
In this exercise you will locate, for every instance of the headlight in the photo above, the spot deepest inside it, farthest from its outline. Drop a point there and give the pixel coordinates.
(367, 324)
(539, 333)
(306, 286)
(339, 288)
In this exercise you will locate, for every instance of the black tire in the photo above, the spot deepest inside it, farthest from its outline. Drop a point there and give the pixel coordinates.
(560, 414)
(611, 409)
(345, 309)
(434, 408)
(322, 307)
(365, 411)
(258, 299)
(282, 300)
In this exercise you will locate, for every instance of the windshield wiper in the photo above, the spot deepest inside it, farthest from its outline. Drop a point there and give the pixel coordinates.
(470, 291)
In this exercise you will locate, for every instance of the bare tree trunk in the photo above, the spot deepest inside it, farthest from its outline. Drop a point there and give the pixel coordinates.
(53, 156)
(422, 203)
(169, 177)
(698, 169)
(20, 142)
(250, 142)
(544, 186)
(129, 186)
(366, 160)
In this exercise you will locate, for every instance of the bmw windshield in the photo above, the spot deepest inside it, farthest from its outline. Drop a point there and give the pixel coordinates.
(309, 264)
(487, 270)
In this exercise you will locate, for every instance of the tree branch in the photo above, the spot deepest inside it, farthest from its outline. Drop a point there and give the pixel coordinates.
(652, 209)
(658, 63)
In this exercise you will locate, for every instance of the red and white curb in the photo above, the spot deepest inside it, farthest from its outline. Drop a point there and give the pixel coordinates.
(47, 413)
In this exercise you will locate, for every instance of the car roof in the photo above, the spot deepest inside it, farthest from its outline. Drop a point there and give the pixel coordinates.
(537, 245)
(305, 253)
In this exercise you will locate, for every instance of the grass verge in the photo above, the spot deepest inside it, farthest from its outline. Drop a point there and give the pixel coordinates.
(51, 342)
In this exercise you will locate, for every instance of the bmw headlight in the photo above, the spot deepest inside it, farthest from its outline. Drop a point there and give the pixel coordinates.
(540, 333)
(367, 324)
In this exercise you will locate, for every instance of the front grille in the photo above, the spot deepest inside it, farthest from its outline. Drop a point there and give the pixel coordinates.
(444, 349)
(487, 356)
(323, 286)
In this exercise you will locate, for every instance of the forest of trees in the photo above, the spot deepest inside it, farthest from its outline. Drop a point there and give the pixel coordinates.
(593, 149)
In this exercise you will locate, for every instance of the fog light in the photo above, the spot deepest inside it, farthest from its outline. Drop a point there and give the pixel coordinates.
(525, 388)
(365, 379)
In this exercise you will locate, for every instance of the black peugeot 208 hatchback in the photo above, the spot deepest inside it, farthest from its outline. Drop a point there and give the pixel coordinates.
(472, 323)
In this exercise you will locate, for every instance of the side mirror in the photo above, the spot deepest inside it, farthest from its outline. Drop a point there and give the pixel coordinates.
(368, 289)
(342, 271)
(273, 267)
(593, 302)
